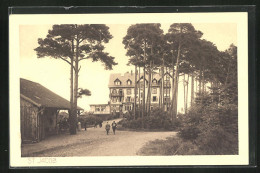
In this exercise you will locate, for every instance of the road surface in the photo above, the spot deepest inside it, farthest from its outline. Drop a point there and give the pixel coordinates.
(94, 142)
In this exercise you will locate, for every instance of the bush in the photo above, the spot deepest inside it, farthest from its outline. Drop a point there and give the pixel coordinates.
(89, 120)
(157, 120)
(213, 128)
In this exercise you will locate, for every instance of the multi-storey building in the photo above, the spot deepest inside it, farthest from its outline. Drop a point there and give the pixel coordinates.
(121, 89)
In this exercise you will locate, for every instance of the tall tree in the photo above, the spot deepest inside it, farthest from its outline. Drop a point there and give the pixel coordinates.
(143, 38)
(72, 44)
(181, 36)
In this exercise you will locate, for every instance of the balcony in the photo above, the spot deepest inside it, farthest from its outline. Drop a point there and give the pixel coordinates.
(167, 85)
(116, 94)
(155, 84)
(167, 100)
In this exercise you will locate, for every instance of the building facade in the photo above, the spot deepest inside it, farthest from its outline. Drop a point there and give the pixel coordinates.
(121, 91)
(100, 109)
(39, 110)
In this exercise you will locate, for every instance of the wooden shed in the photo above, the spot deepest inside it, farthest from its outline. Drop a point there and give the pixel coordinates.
(39, 109)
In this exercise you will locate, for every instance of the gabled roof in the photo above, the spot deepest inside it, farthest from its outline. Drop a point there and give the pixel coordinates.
(128, 76)
(41, 96)
(122, 78)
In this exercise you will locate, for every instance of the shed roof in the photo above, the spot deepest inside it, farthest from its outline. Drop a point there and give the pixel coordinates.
(41, 96)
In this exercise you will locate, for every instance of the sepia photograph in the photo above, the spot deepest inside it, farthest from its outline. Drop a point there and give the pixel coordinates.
(147, 90)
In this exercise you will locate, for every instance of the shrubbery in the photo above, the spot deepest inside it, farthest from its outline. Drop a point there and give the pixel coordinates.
(157, 120)
(207, 129)
(89, 120)
(213, 128)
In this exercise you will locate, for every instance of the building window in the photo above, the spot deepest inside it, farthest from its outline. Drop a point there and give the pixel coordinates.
(167, 83)
(114, 99)
(117, 82)
(167, 91)
(154, 91)
(113, 108)
(129, 82)
(103, 108)
(128, 91)
(128, 99)
(154, 81)
(154, 98)
(166, 99)
(97, 109)
(113, 91)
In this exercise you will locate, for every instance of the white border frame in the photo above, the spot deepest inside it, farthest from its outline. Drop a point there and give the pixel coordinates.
(240, 18)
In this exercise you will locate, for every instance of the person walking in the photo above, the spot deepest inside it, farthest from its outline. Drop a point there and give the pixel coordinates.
(85, 125)
(107, 128)
(114, 125)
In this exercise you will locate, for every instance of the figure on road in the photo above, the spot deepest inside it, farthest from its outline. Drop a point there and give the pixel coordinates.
(85, 125)
(107, 128)
(114, 125)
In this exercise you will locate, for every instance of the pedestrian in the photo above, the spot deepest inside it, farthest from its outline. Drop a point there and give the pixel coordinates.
(100, 124)
(85, 125)
(107, 128)
(114, 125)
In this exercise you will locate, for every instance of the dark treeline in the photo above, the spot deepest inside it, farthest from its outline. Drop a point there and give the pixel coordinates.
(181, 52)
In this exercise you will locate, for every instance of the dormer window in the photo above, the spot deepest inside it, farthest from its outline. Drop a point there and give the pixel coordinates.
(154, 81)
(129, 82)
(167, 77)
(117, 82)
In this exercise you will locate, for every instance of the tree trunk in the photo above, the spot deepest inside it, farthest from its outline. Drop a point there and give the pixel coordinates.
(143, 102)
(71, 97)
(203, 80)
(74, 114)
(163, 85)
(139, 89)
(184, 92)
(192, 89)
(176, 97)
(174, 101)
(187, 93)
(200, 77)
(144, 86)
(196, 80)
(148, 100)
(71, 90)
(149, 92)
(135, 92)
(161, 88)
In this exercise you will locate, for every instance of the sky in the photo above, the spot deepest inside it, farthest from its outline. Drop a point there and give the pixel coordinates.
(54, 74)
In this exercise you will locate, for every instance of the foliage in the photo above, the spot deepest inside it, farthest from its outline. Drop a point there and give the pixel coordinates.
(157, 120)
(73, 43)
(89, 120)
(82, 92)
(63, 125)
(212, 127)
(170, 146)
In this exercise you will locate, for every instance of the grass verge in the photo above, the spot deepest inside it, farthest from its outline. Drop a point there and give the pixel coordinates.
(170, 146)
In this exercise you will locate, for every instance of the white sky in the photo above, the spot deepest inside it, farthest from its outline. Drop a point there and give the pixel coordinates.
(55, 74)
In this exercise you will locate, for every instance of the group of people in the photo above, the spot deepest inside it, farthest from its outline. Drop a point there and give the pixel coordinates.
(107, 127)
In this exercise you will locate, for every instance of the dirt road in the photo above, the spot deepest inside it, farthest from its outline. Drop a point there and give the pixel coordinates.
(94, 142)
